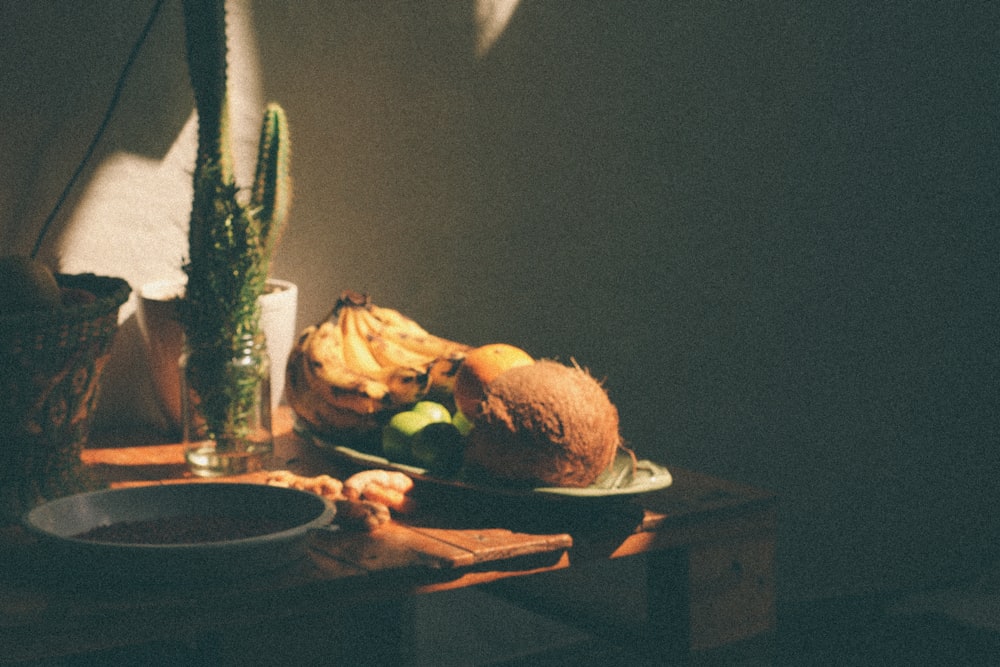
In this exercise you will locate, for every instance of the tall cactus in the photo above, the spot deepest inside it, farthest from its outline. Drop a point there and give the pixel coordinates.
(271, 197)
(205, 32)
(231, 238)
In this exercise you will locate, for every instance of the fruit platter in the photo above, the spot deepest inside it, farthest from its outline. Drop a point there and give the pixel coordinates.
(371, 386)
(624, 477)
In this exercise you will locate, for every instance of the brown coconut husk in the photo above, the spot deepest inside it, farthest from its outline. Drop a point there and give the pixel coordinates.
(545, 424)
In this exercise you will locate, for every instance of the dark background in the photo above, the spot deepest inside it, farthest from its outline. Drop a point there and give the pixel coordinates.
(771, 227)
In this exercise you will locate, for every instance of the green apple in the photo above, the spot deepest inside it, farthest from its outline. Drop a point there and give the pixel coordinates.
(462, 423)
(397, 435)
(436, 411)
(27, 284)
(438, 447)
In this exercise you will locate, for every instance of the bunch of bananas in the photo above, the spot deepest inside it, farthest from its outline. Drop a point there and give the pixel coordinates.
(350, 372)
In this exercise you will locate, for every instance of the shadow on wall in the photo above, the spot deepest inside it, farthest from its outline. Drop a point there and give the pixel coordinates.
(130, 218)
(771, 228)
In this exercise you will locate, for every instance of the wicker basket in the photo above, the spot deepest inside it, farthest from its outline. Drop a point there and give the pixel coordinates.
(50, 368)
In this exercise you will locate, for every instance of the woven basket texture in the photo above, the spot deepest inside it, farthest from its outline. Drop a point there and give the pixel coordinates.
(50, 369)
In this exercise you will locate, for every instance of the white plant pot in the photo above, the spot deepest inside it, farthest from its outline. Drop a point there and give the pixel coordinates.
(163, 338)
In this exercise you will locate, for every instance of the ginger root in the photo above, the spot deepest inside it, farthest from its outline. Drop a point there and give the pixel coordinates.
(363, 501)
(322, 485)
(362, 514)
(390, 488)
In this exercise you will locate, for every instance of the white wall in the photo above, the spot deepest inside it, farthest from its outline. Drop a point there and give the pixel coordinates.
(771, 228)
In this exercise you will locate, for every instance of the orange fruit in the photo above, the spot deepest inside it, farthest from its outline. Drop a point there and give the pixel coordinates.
(480, 366)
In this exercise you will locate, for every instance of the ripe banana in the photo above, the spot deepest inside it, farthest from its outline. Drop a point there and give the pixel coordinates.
(324, 415)
(350, 372)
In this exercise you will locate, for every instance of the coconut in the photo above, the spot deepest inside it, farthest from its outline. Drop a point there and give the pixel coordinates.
(545, 424)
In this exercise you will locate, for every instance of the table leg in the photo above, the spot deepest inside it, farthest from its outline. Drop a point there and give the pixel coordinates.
(668, 594)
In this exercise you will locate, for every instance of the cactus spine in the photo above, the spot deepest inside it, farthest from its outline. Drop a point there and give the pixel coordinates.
(231, 239)
(271, 198)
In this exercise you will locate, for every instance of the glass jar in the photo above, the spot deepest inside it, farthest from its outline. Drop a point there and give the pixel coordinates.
(226, 408)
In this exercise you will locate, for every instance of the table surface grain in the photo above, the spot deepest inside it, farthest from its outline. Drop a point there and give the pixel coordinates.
(455, 538)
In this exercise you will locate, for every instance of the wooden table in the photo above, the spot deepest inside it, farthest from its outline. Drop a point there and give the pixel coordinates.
(708, 547)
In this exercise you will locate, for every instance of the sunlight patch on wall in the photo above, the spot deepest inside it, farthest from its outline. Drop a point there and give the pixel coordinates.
(492, 17)
(132, 218)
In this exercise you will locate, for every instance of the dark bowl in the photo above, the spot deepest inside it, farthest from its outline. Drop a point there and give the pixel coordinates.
(176, 532)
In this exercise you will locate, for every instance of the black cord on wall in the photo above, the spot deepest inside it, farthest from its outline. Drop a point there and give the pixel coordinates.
(119, 86)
